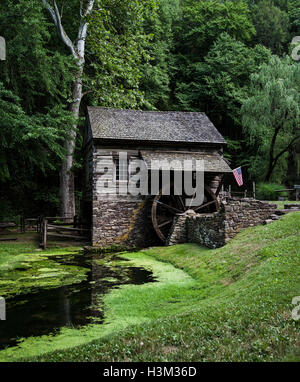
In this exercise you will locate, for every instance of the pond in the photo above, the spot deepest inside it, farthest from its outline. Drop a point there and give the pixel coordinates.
(44, 310)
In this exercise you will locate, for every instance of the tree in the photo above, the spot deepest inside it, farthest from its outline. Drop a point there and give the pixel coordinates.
(115, 48)
(272, 26)
(201, 25)
(271, 115)
(77, 50)
(118, 52)
(221, 82)
(35, 86)
(202, 22)
(157, 74)
(293, 9)
(30, 138)
(222, 79)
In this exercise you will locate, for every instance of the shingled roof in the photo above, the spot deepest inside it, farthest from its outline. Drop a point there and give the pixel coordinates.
(159, 126)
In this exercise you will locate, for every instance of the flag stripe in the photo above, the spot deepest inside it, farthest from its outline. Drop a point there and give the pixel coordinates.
(237, 172)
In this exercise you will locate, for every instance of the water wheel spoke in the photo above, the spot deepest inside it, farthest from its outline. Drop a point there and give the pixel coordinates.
(182, 205)
(165, 223)
(204, 205)
(191, 200)
(175, 201)
(170, 208)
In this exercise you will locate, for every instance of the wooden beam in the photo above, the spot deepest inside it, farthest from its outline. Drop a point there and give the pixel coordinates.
(68, 236)
(220, 185)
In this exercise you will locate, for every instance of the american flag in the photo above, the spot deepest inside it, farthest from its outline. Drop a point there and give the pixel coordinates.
(237, 172)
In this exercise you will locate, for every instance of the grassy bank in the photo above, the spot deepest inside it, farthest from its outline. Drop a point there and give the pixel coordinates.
(126, 306)
(237, 309)
(228, 304)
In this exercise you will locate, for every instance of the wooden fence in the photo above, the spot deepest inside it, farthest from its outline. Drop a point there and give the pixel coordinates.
(242, 194)
(252, 193)
(60, 230)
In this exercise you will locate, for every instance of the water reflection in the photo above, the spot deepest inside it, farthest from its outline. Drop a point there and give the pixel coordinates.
(46, 311)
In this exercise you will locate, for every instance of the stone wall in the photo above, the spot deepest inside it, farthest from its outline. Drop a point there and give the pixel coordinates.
(243, 213)
(122, 222)
(215, 229)
(206, 229)
(178, 232)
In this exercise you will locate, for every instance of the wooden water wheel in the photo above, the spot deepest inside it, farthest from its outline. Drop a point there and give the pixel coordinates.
(166, 207)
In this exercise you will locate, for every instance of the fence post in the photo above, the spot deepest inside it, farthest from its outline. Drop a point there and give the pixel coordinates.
(44, 232)
(41, 218)
(254, 190)
(22, 223)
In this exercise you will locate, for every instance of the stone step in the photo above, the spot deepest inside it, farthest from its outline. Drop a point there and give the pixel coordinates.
(282, 211)
(268, 221)
(275, 217)
(292, 206)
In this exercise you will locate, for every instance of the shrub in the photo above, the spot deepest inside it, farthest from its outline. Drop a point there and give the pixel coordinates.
(266, 191)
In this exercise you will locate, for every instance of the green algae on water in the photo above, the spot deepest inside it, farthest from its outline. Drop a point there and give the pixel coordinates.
(27, 273)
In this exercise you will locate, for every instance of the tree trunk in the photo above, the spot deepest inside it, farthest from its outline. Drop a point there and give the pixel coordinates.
(271, 155)
(67, 186)
(67, 199)
(269, 172)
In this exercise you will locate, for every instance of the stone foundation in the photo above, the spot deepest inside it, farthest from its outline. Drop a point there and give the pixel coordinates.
(214, 230)
(126, 222)
(122, 222)
(206, 229)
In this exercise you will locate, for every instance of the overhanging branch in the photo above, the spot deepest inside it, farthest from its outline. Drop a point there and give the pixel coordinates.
(285, 149)
(89, 8)
(56, 17)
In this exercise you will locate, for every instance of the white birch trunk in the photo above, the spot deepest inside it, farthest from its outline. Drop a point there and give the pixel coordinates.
(67, 188)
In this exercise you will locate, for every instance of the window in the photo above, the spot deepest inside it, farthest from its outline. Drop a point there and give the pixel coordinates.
(121, 170)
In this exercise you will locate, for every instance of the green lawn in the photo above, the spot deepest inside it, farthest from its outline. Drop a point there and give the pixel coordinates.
(237, 309)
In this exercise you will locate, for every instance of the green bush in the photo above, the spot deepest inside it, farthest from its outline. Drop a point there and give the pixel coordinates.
(266, 191)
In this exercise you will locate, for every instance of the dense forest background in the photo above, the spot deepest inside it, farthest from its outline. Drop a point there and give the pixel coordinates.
(230, 59)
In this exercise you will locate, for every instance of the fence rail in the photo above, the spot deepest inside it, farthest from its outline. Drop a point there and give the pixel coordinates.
(57, 230)
(252, 193)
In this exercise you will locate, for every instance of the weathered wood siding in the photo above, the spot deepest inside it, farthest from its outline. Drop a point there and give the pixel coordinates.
(123, 220)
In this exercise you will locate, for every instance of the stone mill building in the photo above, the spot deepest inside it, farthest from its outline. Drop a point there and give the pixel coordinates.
(120, 218)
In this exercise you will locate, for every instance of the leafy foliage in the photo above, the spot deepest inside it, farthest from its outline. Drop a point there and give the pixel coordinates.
(271, 115)
(160, 54)
(267, 191)
(272, 26)
(157, 74)
(117, 52)
(29, 139)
